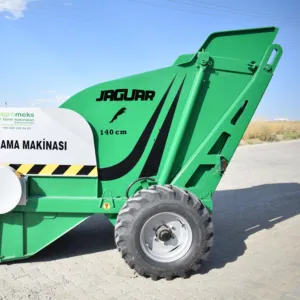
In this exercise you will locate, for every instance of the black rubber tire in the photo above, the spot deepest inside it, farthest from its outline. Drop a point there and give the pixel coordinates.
(148, 202)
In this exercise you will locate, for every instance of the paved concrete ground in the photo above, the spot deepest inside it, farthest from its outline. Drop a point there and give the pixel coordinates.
(256, 254)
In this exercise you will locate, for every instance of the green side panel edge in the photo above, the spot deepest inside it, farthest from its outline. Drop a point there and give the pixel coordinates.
(185, 135)
(23, 235)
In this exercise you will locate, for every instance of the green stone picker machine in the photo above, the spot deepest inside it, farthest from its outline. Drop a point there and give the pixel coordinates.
(147, 151)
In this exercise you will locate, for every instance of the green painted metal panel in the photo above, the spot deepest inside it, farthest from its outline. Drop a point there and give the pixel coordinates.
(62, 186)
(23, 235)
(88, 205)
(43, 229)
(12, 238)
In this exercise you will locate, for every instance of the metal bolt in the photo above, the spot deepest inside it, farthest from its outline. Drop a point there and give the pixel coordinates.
(268, 68)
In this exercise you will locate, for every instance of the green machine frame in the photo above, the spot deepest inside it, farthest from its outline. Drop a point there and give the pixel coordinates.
(206, 101)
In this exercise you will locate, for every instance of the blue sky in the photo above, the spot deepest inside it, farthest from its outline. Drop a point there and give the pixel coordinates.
(50, 50)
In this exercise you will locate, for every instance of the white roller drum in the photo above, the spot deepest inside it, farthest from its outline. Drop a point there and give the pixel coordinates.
(10, 189)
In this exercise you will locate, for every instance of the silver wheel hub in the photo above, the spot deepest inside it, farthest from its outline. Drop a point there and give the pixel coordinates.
(166, 237)
(164, 233)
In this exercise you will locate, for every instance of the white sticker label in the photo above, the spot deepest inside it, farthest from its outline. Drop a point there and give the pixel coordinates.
(50, 136)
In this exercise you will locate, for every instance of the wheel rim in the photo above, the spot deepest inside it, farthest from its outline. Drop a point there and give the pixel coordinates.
(166, 237)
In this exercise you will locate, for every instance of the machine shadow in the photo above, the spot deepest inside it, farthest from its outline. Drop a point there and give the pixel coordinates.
(236, 215)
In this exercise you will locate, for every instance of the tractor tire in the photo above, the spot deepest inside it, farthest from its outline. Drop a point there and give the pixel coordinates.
(164, 232)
